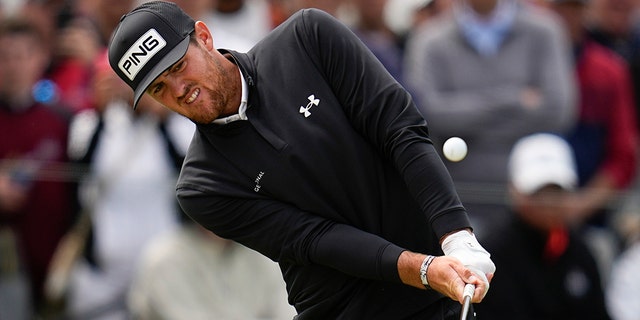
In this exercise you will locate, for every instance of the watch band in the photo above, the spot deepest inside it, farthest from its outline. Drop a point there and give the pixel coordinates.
(423, 270)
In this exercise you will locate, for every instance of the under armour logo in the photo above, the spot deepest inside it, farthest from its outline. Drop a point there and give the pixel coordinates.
(312, 102)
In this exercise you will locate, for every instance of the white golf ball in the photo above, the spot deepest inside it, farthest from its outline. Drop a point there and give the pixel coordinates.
(454, 149)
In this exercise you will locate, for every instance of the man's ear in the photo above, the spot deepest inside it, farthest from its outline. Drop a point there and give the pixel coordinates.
(203, 35)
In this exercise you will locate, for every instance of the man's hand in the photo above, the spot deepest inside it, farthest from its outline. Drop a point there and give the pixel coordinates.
(464, 246)
(447, 275)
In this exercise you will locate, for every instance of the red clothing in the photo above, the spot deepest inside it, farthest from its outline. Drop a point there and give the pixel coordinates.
(606, 137)
(37, 133)
(73, 80)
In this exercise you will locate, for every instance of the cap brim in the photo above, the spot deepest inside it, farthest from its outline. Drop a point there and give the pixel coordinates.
(167, 61)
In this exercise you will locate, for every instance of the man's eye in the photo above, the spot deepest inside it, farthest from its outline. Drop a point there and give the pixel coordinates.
(157, 88)
(178, 66)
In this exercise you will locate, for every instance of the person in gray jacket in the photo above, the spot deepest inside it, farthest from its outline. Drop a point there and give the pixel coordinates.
(309, 152)
(491, 72)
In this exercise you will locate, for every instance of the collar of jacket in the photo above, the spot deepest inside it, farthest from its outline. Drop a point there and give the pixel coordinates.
(246, 65)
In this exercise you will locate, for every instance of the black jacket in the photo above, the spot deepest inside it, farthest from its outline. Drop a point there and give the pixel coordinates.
(530, 286)
(332, 176)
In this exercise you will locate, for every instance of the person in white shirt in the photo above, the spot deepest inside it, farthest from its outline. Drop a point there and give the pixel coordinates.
(191, 273)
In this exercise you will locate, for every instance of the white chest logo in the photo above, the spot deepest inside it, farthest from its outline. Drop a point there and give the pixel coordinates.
(312, 102)
(140, 53)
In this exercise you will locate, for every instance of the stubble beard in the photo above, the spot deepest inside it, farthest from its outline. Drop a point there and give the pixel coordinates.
(219, 96)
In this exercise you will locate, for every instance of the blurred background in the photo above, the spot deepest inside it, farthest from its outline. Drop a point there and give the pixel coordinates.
(89, 226)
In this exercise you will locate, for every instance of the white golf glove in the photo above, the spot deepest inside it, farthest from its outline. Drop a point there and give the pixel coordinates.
(464, 246)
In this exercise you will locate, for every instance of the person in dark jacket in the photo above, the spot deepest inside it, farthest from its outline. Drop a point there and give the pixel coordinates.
(547, 270)
(309, 152)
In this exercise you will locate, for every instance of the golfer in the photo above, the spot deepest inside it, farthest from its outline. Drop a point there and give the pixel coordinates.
(309, 152)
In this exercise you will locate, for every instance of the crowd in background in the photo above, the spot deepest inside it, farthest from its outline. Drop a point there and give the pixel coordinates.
(89, 225)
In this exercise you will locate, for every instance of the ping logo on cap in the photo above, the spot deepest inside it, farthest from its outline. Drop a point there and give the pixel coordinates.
(140, 53)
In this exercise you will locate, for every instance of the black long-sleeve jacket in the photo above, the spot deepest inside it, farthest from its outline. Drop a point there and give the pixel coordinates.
(333, 174)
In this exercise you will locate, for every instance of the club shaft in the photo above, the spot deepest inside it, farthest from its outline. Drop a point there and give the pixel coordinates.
(465, 308)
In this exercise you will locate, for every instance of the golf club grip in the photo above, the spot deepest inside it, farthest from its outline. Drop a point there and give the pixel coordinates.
(469, 290)
(467, 294)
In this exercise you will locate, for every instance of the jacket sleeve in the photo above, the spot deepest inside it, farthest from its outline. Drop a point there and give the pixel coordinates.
(622, 139)
(384, 113)
(285, 234)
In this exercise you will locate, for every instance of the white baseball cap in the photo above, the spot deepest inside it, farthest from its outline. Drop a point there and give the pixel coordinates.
(542, 159)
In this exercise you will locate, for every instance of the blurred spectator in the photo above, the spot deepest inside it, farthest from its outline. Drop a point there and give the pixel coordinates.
(491, 73)
(203, 10)
(222, 24)
(77, 31)
(193, 274)
(546, 270)
(605, 139)
(615, 24)
(34, 191)
(134, 158)
(77, 44)
(72, 42)
(232, 17)
(371, 28)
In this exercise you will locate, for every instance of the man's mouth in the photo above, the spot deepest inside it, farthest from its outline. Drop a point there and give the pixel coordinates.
(193, 96)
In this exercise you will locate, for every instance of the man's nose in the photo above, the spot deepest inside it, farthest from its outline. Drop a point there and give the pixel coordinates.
(176, 86)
